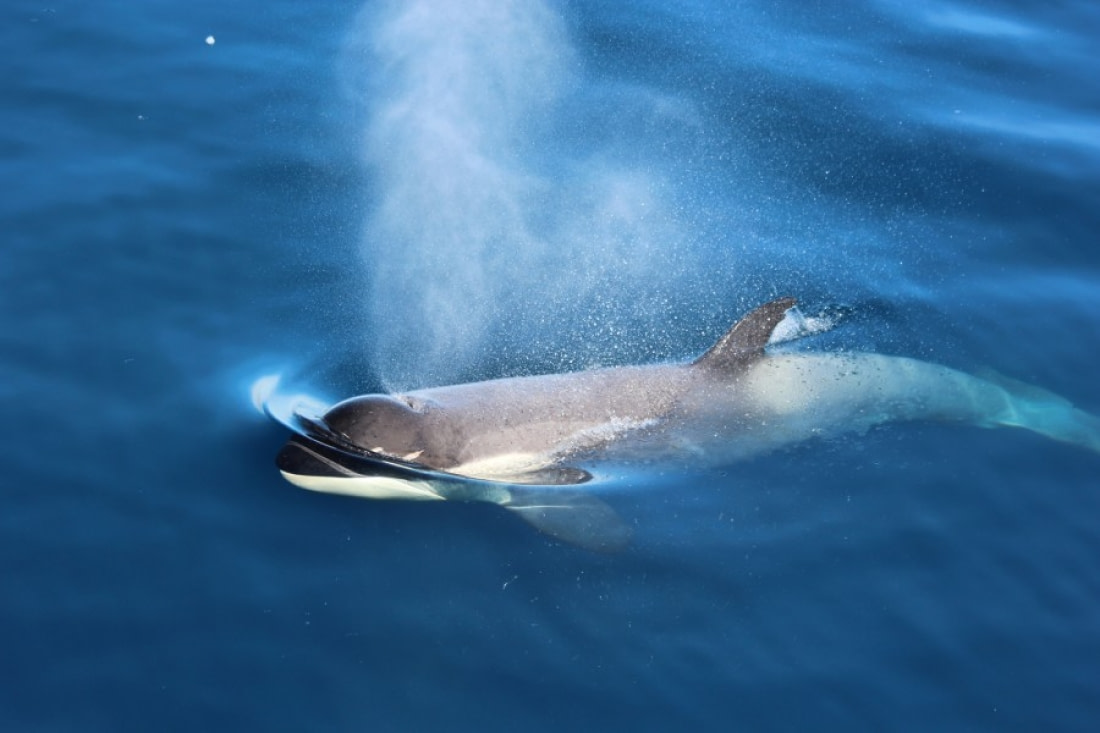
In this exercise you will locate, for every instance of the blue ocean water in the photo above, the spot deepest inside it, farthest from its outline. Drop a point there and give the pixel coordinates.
(410, 193)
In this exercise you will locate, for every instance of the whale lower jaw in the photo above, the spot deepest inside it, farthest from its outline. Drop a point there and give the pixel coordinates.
(367, 487)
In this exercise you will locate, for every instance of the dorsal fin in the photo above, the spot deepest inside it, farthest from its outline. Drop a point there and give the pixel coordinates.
(746, 340)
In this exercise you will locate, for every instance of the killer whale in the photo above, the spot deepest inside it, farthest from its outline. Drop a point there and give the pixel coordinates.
(529, 443)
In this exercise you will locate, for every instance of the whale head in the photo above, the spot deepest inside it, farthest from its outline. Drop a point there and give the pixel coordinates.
(380, 424)
(364, 446)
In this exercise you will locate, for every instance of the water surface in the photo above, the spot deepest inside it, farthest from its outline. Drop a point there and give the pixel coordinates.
(405, 195)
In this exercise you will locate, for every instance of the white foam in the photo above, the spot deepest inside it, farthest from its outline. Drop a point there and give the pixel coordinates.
(262, 389)
(795, 325)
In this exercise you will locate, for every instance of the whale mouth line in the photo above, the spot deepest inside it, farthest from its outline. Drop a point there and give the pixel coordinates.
(309, 455)
(320, 460)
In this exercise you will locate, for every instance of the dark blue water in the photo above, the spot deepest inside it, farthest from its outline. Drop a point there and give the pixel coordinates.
(408, 195)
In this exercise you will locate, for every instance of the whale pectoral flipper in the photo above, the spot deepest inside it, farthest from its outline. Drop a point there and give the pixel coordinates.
(747, 339)
(571, 516)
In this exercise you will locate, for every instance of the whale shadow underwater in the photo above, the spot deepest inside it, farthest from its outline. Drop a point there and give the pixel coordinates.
(534, 444)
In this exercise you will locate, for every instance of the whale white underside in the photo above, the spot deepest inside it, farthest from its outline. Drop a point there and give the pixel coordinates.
(366, 487)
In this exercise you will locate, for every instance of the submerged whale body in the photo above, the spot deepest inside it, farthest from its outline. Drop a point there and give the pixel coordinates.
(528, 443)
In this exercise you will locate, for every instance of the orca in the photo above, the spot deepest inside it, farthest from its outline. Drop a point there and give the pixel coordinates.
(530, 444)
